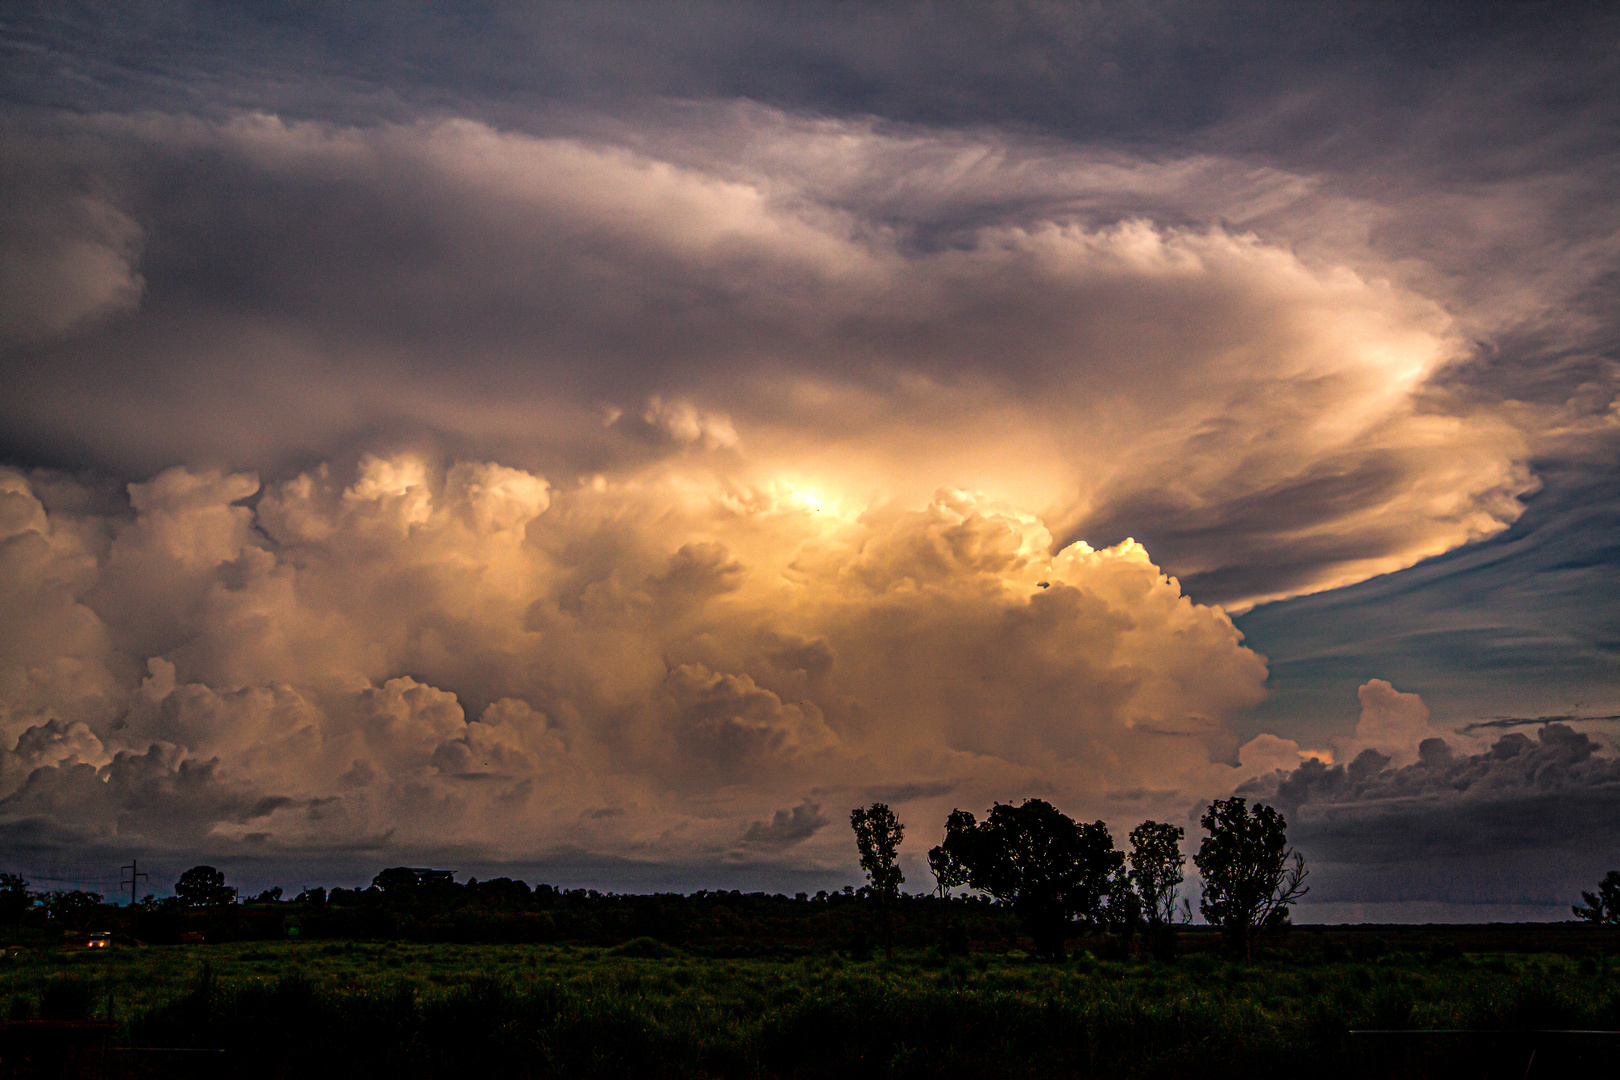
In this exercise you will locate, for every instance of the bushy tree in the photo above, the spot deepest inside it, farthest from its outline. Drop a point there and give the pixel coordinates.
(396, 880)
(1602, 907)
(203, 886)
(418, 882)
(1156, 869)
(500, 892)
(1048, 868)
(1123, 913)
(1250, 874)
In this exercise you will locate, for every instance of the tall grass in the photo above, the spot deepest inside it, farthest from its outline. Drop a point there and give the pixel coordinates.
(648, 1009)
(634, 1018)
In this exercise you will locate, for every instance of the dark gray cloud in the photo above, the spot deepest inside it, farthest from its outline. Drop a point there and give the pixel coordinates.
(1087, 72)
(786, 827)
(1531, 721)
(1527, 820)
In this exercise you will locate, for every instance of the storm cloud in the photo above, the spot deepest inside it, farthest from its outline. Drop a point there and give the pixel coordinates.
(630, 435)
(1524, 820)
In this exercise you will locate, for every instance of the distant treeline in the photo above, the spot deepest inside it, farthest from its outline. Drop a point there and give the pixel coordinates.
(407, 904)
(1036, 872)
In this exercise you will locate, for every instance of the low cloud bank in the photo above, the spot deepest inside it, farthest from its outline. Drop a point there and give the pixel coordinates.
(1524, 820)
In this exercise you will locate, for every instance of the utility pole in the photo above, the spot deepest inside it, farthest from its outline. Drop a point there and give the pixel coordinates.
(135, 874)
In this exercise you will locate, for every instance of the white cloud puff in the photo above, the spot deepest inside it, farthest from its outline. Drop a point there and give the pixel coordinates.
(1391, 722)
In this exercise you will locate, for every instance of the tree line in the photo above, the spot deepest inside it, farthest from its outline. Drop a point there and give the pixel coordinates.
(1033, 870)
(1056, 877)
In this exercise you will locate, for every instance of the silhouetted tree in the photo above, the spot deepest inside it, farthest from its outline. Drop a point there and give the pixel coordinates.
(203, 886)
(14, 898)
(1156, 869)
(71, 908)
(1603, 906)
(878, 834)
(414, 881)
(1155, 876)
(1123, 913)
(1250, 874)
(1037, 859)
(396, 880)
(948, 871)
(500, 892)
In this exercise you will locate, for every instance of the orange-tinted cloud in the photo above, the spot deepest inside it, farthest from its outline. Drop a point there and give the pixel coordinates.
(466, 656)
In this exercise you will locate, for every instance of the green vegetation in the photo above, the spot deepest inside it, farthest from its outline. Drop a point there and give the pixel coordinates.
(420, 975)
(645, 1007)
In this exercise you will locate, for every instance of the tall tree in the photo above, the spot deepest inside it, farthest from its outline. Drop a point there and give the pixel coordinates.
(71, 908)
(1037, 859)
(1251, 876)
(877, 835)
(1156, 869)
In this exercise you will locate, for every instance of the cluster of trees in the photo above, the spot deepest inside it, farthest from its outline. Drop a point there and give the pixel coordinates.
(64, 907)
(1058, 874)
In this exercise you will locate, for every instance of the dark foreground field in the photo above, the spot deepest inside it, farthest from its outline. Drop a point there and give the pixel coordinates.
(361, 1009)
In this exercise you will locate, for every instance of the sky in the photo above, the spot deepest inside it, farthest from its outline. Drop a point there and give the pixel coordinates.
(606, 443)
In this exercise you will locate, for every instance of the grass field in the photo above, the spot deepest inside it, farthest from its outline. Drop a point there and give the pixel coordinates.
(643, 1008)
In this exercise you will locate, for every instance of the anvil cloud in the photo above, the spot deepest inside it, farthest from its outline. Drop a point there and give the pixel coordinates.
(1262, 413)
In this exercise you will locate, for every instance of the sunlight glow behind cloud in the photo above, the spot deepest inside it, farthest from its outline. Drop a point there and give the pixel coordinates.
(470, 658)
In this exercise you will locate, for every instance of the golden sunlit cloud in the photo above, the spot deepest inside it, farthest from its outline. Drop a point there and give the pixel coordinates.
(467, 656)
